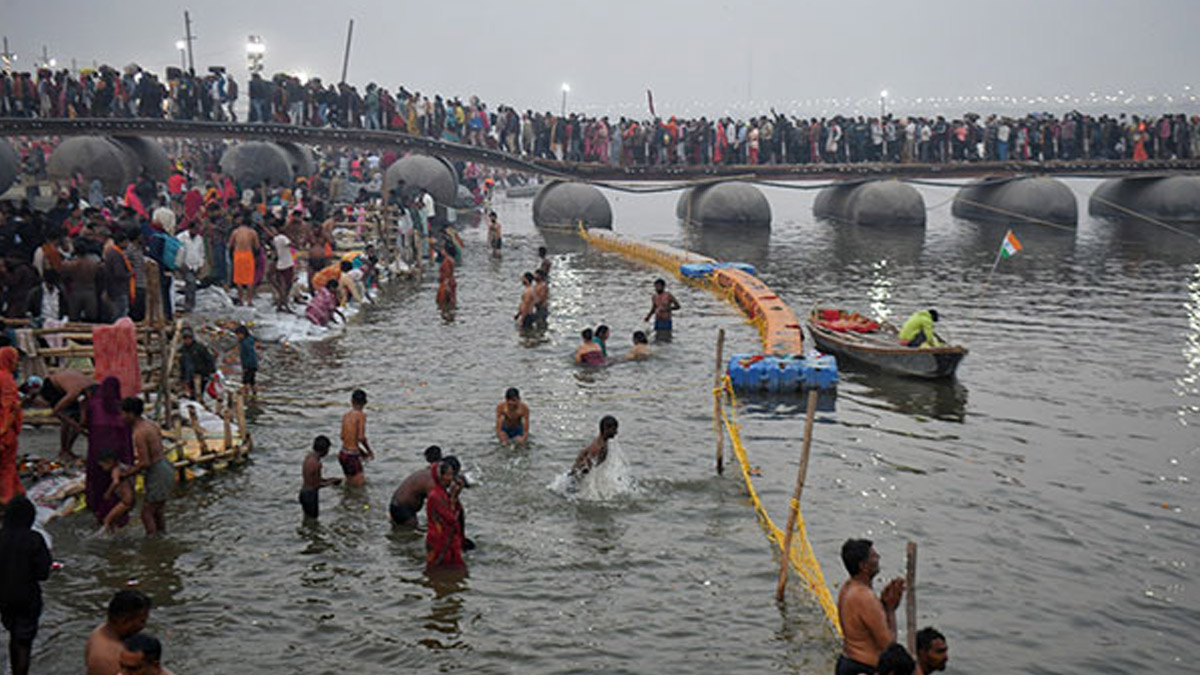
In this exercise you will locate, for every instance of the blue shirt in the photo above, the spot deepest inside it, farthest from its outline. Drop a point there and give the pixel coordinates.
(246, 353)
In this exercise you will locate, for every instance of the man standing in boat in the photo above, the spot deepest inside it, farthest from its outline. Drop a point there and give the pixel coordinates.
(918, 330)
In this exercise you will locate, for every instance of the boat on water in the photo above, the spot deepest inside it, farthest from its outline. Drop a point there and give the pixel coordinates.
(852, 336)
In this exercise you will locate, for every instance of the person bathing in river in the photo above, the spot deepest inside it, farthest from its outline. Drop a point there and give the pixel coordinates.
(594, 454)
(541, 297)
(868, 622)
(120, 486)
(544, 264)
(495, 240)
(67, 392)
(662, 304)
(601, 338)
(447, 294)
(128, 612)
(589, 353)
(641, 347)
(409, 498)
(323, 307)
(355, 447)
(917, 331)
(444, 532)
(526, 316)
(149, 460)
(512, 418)
(312, 481)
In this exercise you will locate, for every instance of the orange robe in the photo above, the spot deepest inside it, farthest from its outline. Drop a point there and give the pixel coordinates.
(11, 418)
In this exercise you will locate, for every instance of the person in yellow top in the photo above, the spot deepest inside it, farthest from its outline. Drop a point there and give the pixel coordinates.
(918, 330)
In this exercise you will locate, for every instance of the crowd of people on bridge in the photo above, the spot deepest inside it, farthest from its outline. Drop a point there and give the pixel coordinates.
(773, 138)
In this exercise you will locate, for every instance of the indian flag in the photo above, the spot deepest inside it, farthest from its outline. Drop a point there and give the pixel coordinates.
(1010, 246)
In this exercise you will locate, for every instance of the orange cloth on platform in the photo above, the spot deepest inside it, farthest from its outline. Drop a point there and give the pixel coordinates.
(115, 354)
(243, 268)
(11, 417)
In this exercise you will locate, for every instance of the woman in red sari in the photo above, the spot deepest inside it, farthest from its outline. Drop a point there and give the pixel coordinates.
(11, 417)
(443, 534)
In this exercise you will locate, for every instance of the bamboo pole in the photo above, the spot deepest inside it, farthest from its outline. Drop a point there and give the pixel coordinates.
(240, 405)
(910, 597)
(717, 428)
(810, 413)
(198, 430)
(225, 417)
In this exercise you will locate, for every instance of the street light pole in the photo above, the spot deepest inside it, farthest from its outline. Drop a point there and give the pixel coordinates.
(565, 88)
(182, 47)
(882, 104)
(187, 25)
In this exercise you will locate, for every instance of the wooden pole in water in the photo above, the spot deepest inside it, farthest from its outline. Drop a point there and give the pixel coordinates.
(810, 413)
(717, 427)
(910, 597)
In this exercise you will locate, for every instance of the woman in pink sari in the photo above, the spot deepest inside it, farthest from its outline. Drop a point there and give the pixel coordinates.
(106, 431)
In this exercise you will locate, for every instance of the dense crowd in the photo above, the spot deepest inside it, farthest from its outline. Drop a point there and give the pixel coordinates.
(767, 139)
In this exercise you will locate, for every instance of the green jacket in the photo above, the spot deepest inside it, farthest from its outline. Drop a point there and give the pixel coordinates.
(920, 322)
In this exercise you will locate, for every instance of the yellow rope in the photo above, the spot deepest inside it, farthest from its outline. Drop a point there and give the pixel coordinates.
(802, 558)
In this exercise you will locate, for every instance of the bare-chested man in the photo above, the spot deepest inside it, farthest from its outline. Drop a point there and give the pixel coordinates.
(149, 459)
(142, 655)
(526, 311)
(319, 245)
(868, 622)
(66, 392)
(662, 304)
(409, 498)
(495, 238)
(244, 246)
(312, 480)
(83, 278)
(128, 612)
(541, 296)
(512, 418)
(595, 454)
(640, 349)
(355, 447)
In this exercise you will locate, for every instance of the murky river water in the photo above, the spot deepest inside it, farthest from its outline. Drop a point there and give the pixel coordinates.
(1048, 488)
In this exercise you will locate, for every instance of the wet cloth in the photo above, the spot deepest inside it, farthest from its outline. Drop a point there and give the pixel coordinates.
(11, 417)
(443, 535)
(662, 325)
(243, 268)
(513, 431)
(115, 354)
(310, 502)
(106, 431)
(351, 463)
(848, 666)
(593, 358)
(160, 481)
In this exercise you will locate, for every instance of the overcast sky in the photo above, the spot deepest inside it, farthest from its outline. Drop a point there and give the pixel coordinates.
(698, 56)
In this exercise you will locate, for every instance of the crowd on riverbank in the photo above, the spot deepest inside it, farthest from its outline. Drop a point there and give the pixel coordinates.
(773, 138)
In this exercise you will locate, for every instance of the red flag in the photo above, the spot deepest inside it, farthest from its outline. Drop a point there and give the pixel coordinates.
(650, 100)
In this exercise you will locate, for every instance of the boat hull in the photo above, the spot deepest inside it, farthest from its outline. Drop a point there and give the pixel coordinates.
(930, 363)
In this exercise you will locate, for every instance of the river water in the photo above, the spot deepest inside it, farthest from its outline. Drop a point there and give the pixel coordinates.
(1049, 486)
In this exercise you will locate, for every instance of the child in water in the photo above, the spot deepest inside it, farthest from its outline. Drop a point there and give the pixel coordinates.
(248, 357)
(121, 486)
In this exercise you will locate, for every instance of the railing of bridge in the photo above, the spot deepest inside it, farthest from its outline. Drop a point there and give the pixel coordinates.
(584, 171)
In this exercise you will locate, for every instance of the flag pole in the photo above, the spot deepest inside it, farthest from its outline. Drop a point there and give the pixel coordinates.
(988, 280)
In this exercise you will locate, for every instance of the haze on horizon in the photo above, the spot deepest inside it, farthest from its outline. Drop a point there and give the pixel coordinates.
(698, 57)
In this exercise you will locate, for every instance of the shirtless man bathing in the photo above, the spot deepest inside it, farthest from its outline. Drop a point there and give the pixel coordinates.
(512, 418)
(355, 448)
(150, 460)
(594, 454)
(868, 622)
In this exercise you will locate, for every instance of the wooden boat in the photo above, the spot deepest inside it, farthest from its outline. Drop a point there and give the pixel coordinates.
(849, 335)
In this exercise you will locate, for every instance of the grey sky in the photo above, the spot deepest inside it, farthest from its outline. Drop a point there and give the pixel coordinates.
(698, 56)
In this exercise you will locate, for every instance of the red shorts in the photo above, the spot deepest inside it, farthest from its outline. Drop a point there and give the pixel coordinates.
(351, 463)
